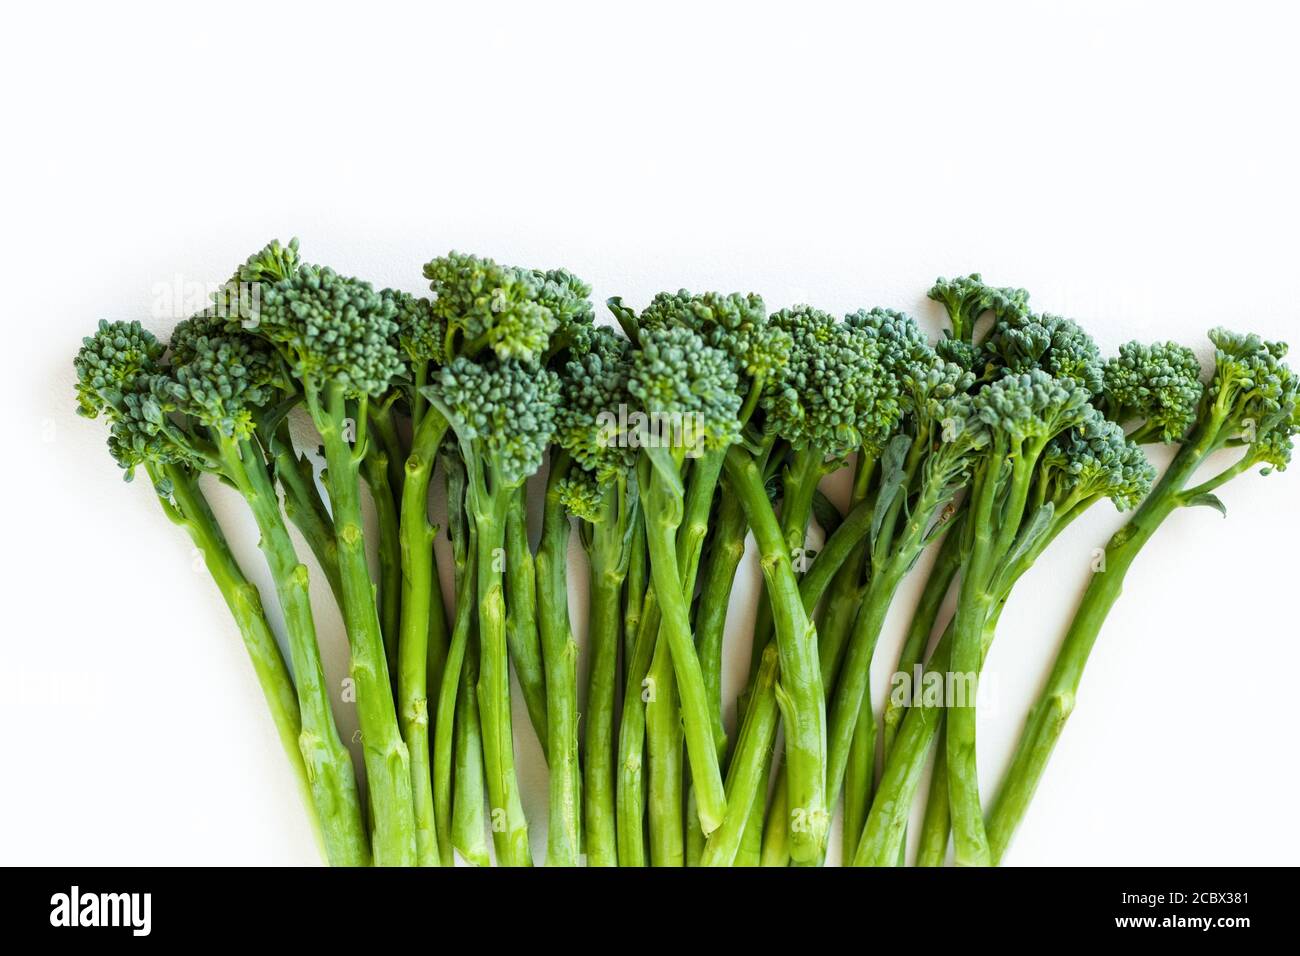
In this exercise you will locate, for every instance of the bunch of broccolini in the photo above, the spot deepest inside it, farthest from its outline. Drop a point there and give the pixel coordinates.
(665, 439)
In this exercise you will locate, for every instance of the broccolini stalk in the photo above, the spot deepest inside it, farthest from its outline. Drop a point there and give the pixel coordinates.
(422, 650)
(503, 414)
(303, 506)
(634, 593)
(374, 471)
(454, 708)
(859, 771)
(560, 654)
(936, 824)
(334, 333)
(1024, 413)
(468, 800)
(664, 750)
(1079, 468)
(921, 626)
(721, 561)
(184, 505)
(607, 514)
(522, 636)
(747, 776)
(1251, 403)
(689, 387)
(799, 693)
(629, 787)
(601, 491)
(200, 410)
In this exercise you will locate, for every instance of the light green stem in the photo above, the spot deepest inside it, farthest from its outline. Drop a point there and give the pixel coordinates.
(329, 765)
(386, 757)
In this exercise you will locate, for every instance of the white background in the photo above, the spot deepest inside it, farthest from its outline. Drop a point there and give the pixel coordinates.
(1134, 166)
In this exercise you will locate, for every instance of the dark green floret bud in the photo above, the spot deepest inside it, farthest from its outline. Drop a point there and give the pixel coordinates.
(966, 298)
(270, 264)
(835, 394)
(1031, 405)
(142, 432)
(686, 385)
(421, 333)
(485, 305)
(595, 407)
(111, 363)
(1096, 459)
(220, 378)
(569, 300)
(1256, 394)
(1158, 385)
(582, 495)
(734, 323)
(333, 329)
(1056, 345)
(503, 410)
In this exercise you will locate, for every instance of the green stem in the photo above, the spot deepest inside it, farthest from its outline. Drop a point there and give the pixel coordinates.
(664, 747)
(506, 814)
(630, 785)
(384, 427)
(726, 549)
(769, 845)
(191, 512)
(375, 472)
(634, 591)
(1055, 703)
(329, 765)
(919, 629)
(420, 620)
(468, 800)
(799, 694)
(522, 635)
(858, 774)
(746, 777)
(608, 569)
(663, 517)
(386, 757)
(304, 507)
(937, 822)
(560, 656)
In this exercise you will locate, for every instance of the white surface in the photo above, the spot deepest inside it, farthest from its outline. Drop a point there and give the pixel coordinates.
(1133, 166)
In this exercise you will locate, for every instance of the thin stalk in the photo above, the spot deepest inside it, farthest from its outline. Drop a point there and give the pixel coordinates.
(634, 593)
(746, 777)
(522, 635)
(1055, 703)
(468, 800)
(609, 562)
(509, 828)
(799, 692)
(722, 559)
(629, 796)
(423, 629)
(192, 513)
(664, 747)
(329, 765)
(375, 473)
(937, 584)
(387, 760)
(973, 605)
(663, 517)
(303, 506)
(937, 822)
(560, 656)
(858, 774)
